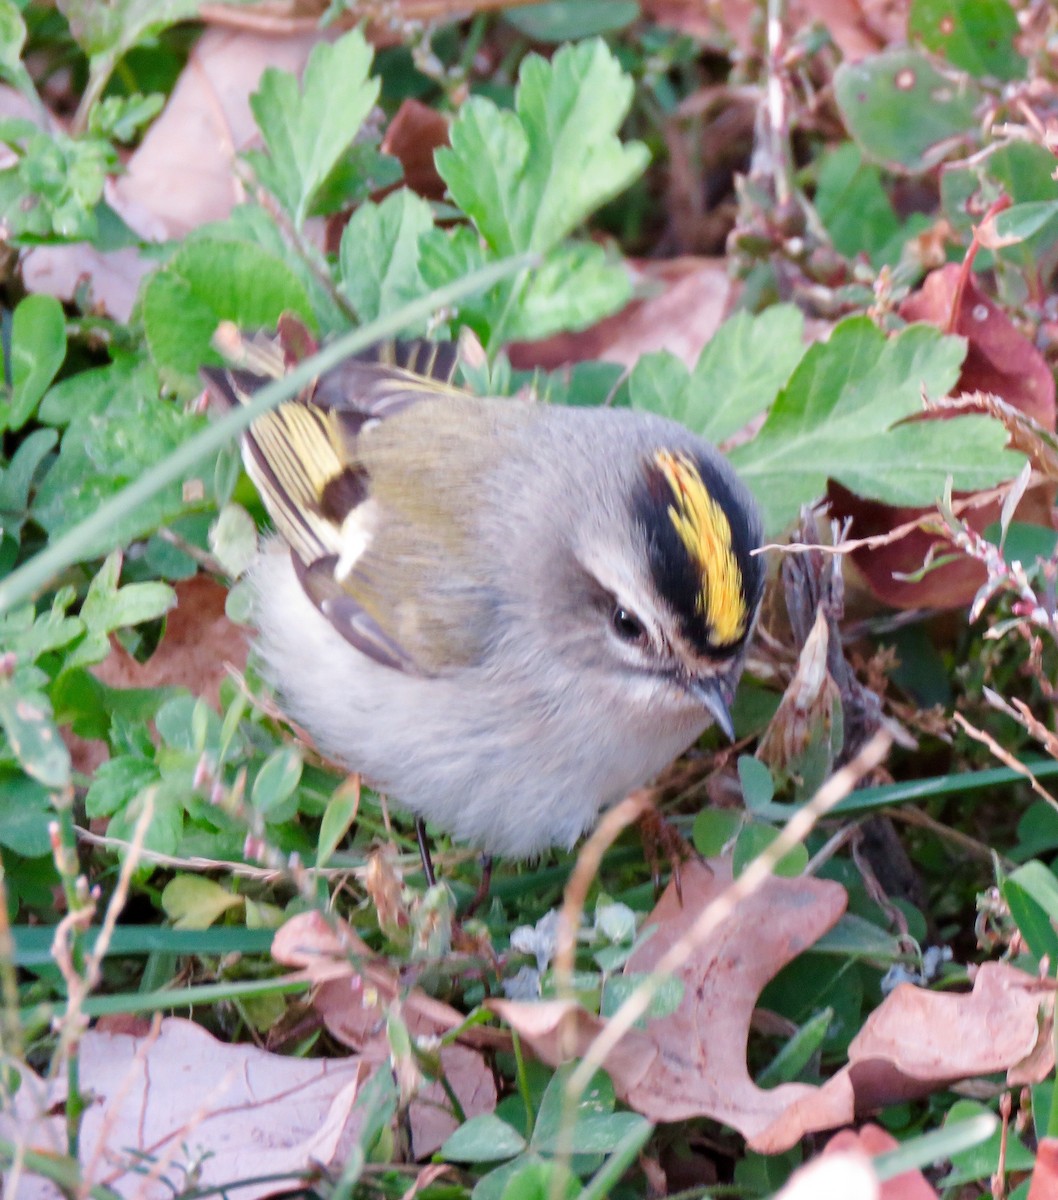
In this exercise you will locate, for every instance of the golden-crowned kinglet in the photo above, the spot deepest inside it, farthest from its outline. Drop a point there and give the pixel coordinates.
(505, 614)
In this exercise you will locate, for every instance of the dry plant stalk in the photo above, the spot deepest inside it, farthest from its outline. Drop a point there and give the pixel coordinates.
(615, 821)
(1006, 758)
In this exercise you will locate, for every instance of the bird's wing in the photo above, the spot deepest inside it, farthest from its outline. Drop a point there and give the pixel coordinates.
(307, 459)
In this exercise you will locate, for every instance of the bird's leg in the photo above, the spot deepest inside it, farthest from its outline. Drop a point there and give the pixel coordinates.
(482, 894)
(424, 852)
(663, 840)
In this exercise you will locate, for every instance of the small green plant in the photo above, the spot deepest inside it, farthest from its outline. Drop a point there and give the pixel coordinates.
(536, 1158)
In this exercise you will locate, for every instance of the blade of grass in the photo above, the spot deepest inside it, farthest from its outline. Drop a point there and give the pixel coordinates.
(24, 583)
(64, 1172)
(929, 1148)
(33, 942)
(872, 799)
(609, 1174)
(182, 998)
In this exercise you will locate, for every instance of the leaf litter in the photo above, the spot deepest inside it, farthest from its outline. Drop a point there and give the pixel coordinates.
(244, 1112)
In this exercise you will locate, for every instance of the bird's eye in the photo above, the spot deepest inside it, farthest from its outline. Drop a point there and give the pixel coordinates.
(627, 625)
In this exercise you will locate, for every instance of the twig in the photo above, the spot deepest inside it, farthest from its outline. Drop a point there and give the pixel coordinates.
(915, 816)
(613, 823)
(966, 503)
(1005, 757)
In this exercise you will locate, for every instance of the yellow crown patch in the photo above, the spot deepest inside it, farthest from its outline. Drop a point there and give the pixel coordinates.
(705, 532)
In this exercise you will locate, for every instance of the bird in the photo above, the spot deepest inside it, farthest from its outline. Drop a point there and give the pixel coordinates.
(505, 614)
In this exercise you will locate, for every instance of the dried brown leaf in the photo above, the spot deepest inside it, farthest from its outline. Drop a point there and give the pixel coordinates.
(1044, 1184)
(198, 645)
(858, 27)
(183, 173)
(413, 135)
(357, 991)
(693, 1062)
(807, 706)
(918, 1041)
(183, 1101)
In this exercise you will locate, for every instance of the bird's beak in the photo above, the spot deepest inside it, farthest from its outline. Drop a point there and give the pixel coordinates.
(717, 692)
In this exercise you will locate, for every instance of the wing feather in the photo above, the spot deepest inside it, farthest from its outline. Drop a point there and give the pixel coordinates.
(305, 459)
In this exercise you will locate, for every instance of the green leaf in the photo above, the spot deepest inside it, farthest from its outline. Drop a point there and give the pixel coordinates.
(107, 607)
(91, 392)
(528, 178)
(233, 539)
(554, 1114)
(560, 21)
(983, 1159)
(758, 787)
(838, 417)
(116, 26)
(28, 635)
(539, 1179)
(1031, 894)
(797, 1052)
(855, 208)
(363, 171)
(976, 35)
(192, 902)
(1037, 832)
(209, 280)
(1023, 220)
(55, 187)
(574, 287)
(484, 1138)
(276, 783)
(307, 131)
(12, 37)
(25, 814)
(38, 347)
(116, 782)
(166, 824)
(1021, 170)
(379, 254)
(855, 937)
(903, 111)
(339, 814)
(715, 828)
(32, 735)
(605, 1182)
(17, 480)
(120, 118)
(254, 224)
(737, 376)
(598, 1134)
(1023, 543)
(188, 724)
(119, 427)
(754, 839)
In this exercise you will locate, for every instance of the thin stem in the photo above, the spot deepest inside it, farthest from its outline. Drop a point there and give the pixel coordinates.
(100, 68)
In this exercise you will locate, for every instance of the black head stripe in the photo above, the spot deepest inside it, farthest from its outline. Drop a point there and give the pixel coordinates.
(700, 528)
